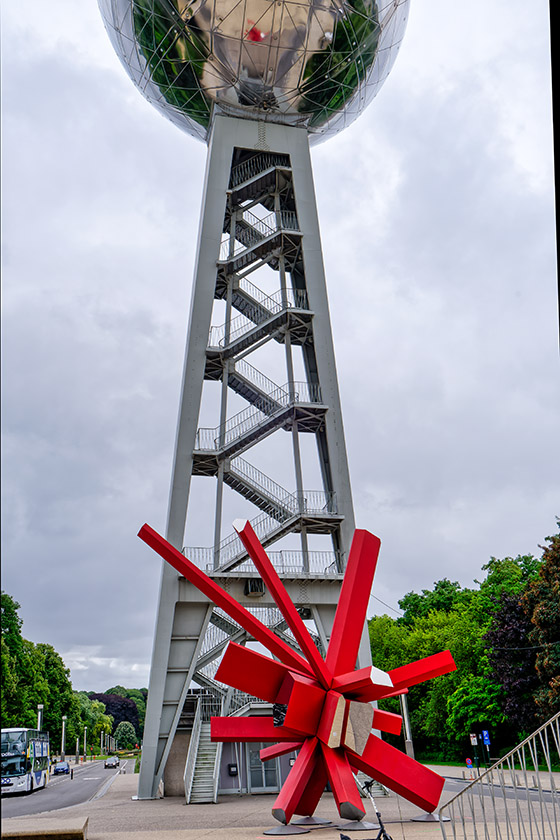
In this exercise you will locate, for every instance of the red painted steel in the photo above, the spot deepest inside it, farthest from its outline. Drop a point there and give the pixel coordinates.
(311, 708)
(276, 750)
(331, 724)
(252, 672)
(387, 722)
(356, 682)
(222, 599)
(314, 789)
(305, 705)
(250, 729)
(350, 614)
(276, 588)
(401, 774)
(423, 669)
(296, 783)
(343, 784)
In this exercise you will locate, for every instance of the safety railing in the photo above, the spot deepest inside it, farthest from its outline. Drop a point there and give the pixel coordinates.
(517, 798)
(254, 166)
(255, 230)
(262, 483)
(292, 393)
(188, 775)
(323, 564)
(255, 377)
(264, 307)
(314, 503)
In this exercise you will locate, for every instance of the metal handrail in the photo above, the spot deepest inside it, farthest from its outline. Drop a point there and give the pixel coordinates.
(254, 166)
(262, 483)
(507, 802)
(249, 419)
(188, 775)
(263, 228)
(265, 307)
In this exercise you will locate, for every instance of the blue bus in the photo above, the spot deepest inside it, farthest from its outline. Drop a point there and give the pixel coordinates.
(25, 760)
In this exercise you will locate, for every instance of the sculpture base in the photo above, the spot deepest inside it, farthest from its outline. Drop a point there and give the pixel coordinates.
(311, 821)
(430, 818)
(359, 825)
(285, 830)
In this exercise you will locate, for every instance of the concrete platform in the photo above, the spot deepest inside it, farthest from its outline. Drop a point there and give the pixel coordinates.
(29, 828)
(116, 815)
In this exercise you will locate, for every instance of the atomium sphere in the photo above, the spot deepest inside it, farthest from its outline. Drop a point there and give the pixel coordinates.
(311, 63)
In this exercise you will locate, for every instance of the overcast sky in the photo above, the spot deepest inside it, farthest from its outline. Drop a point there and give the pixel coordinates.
(437, 215)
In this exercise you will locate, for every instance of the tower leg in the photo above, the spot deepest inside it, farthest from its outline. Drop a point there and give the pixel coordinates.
(258, 216)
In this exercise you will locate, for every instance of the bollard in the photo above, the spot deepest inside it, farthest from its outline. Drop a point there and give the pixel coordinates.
(72, 773)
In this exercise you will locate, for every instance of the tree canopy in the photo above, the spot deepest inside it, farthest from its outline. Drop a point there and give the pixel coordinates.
(504, 635)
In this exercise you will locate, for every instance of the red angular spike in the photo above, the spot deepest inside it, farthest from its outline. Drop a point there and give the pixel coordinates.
(277, 750)
(343, 784)
(350, 614)
(250, 729)
(387, 722)
(423, 669)
(252, 672)
(364, 679)
(276, 588)
(222, 599)
(296, 783)
(313, 790)
(397, 771)
(305, 704)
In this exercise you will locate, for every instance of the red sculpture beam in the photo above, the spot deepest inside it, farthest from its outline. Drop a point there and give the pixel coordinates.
(276, 588)
(328, 718)
(222, 599)
(350, 613)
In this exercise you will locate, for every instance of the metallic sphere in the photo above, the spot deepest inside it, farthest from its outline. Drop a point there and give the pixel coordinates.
(312, 63)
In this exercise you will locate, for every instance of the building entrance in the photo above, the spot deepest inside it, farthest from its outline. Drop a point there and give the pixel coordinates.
(263, 776)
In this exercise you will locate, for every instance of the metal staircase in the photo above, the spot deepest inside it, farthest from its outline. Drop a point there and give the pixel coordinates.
(265, 240)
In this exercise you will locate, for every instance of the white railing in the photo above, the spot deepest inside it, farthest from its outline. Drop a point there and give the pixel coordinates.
(516, 799)
(251, 418)
(254, 166)
(188, 775)
(264, 307)
(255, 230)
(255, 377)
(263, 484)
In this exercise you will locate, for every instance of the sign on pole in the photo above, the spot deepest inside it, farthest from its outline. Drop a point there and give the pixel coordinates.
(474, 739)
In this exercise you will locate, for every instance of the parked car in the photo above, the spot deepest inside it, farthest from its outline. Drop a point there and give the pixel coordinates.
(112, 761)
(61, 767)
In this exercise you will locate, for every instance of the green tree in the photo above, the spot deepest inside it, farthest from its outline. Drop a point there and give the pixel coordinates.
(60, 699)
(542, 603)
(125, 735)
(9, 697)
(92, 715)
(445, 595)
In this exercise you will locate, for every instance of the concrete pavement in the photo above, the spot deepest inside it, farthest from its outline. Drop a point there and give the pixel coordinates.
(117, 815)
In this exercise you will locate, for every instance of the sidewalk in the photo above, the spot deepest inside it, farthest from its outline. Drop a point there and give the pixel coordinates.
(117, 815)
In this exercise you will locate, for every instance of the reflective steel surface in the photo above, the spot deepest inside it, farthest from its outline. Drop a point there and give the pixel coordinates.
(315, 63)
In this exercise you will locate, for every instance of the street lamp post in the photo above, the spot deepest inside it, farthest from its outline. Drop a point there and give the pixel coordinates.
(77, 761)
(409, 748)
(63, 739)
(40, 708)
(85, 742)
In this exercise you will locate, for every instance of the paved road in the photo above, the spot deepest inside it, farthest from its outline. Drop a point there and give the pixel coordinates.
(90, 779)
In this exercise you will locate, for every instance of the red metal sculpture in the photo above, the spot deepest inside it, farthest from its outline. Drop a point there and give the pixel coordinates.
(325, 703)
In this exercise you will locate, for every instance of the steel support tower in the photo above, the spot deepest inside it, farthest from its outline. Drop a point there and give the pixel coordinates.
(259, 269)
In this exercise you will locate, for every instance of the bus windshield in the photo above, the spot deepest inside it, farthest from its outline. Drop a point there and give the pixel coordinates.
(24, 752)
(14, 749)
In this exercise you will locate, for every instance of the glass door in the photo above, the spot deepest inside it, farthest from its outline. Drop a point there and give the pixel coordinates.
(262, 775)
